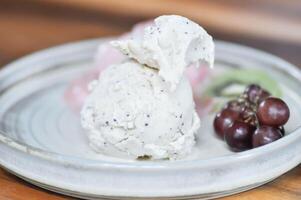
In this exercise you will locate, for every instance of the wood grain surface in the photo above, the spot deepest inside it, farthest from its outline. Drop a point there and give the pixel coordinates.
(31, 25)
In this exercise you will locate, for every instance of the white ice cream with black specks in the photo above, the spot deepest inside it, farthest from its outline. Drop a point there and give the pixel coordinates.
(130, 113)
(171, 44)
(144, 106)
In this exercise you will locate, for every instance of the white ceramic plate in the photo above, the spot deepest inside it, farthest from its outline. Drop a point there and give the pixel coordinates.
(42, 142)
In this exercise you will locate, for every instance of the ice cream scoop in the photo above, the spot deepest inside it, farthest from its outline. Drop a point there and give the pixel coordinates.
(144, 106)
(170, 45)
(131, 113)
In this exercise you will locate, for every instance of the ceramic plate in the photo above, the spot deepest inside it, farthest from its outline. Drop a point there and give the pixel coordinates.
(42, 142)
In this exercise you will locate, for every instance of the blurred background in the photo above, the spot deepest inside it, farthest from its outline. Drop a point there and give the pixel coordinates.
(30, 25)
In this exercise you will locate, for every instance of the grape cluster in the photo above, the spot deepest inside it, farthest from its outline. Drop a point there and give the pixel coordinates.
(254, 119)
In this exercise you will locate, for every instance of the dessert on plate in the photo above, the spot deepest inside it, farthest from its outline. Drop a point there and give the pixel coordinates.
(143, 107)
(150, 87)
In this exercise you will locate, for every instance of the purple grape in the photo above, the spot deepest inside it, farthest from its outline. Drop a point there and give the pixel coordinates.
(263, 95)
(247, 113)
(224, 120)
(265, 135)
(273, 112)
(239, 136)
(255, 94)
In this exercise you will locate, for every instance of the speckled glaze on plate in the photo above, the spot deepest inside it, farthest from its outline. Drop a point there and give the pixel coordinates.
(42, 142)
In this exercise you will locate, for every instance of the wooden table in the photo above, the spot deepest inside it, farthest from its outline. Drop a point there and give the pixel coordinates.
(27, 26)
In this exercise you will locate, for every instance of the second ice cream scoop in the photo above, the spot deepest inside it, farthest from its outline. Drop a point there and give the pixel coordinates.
(170, 45)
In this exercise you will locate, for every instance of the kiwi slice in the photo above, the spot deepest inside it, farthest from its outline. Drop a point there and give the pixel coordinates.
(232, 83)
